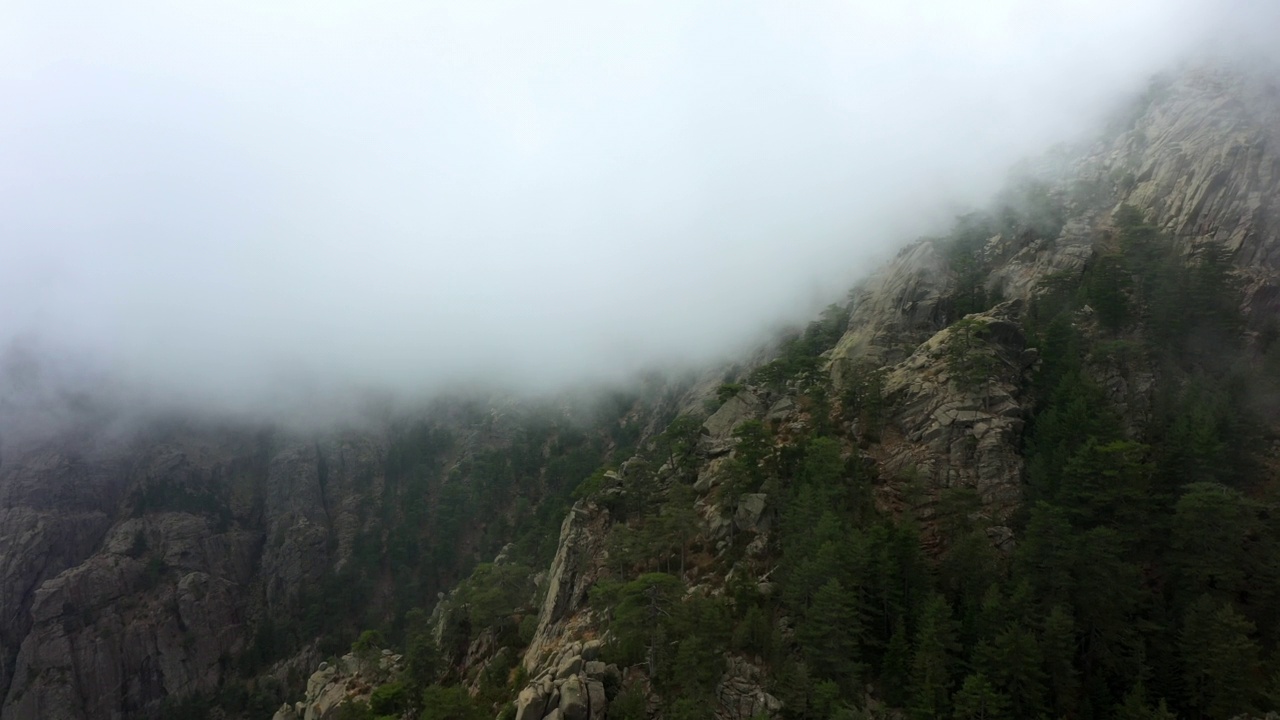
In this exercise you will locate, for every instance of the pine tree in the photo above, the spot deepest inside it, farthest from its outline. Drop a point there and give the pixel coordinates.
(1017, 670)
(1210, 525)
(934, 663)
(1219, 661)
(895, 669)
(1136, 707)
(422, 657)
(830, 632)
(1058, 642)
(977, 699)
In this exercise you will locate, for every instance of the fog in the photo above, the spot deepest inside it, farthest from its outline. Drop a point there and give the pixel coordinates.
(249, 206)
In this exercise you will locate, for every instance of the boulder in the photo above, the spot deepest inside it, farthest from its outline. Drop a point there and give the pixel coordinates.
(596, 699)
(750, 515)
(574, 700)
(781, 409)
(717, 430)
(571, 665)
(531, 703)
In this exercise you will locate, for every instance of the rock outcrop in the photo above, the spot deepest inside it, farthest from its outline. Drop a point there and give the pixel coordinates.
(573, 571)
(953, 431)
(132, 568)
(1199, 158)
(742, 695)
(349, 680)
(568, 687)
(717, 430)
(896, 309)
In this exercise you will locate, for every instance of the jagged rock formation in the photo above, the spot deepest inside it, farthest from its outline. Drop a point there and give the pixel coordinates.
(349, 680)
(570, 687)
(741, 694)
(136, 566)
(573, 571)
(148, 593)
(1200, 156)
(951, 432)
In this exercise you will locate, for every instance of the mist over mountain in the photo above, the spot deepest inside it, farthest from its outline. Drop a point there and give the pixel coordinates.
(696, 361)
(273, 210)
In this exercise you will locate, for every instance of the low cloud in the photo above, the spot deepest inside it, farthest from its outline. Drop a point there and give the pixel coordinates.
(244, 206)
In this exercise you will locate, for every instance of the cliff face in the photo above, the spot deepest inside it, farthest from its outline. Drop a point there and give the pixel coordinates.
(132, 572)
(1200, 156)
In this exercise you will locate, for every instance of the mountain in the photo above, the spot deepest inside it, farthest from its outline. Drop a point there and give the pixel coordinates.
(1028, 468)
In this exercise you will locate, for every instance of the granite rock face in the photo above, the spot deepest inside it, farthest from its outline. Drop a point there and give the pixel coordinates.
(954, 432)
(574, 569)
(131, 572)
(1199, 156)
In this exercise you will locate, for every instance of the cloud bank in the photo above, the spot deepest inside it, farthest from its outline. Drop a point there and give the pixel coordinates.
(239, 204)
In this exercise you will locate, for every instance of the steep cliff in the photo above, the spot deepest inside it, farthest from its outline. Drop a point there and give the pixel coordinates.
(143, 566)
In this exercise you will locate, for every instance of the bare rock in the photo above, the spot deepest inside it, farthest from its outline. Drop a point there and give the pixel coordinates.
(598, 704)
(717, 430)
(569, 666)
(750, 515)
(574, 702)
(741, 693)
(531, 703)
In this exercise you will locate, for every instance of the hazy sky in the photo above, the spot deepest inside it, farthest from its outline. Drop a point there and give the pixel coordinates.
(235, 200)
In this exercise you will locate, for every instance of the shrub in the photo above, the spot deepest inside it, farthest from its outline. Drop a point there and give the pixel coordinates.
(389, 699)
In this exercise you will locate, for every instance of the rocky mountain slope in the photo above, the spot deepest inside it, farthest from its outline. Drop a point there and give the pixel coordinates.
(936, 371)
(877, 475)
(179, 560)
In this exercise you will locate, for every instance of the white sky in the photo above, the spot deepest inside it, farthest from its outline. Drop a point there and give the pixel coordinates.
(234, 202)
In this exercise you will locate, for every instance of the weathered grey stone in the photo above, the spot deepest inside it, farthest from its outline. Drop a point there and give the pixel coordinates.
(591, 650)
(531, 704)
(573, 573)
(596, 700)
(710, 474)
(741, 693)
(1001, 537)
(750, 515)
(781, 409)
(574, 700)
(718, 429)
(571, 665)
(594, 668)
